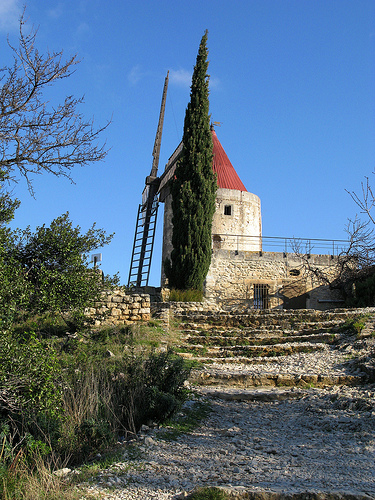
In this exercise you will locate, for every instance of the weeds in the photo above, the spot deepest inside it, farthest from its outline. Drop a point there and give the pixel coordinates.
(34, 480)
(186, 420)
(354, 325)
(87, 391)
(185, 295)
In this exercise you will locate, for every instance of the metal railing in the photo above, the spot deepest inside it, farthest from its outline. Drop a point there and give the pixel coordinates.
(280, 244)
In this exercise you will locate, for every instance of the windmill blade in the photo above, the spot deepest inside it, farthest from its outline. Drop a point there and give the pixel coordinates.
(147, 212)
(159, 132)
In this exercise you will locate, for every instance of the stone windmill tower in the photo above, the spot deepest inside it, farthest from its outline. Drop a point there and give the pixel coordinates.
(237, 220)
(241, 272)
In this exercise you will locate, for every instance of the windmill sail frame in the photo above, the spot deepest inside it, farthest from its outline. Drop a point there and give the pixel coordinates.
(147, 212)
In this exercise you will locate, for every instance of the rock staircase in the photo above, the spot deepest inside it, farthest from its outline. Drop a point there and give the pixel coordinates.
(268, 348)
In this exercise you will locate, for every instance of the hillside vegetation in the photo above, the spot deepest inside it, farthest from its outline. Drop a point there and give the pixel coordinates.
(65, 398)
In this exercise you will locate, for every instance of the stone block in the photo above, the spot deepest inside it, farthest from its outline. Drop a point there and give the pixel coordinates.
(285, 380)
(116, 299)
(310, 379)
(115, 312)
(123, 306)
(264, 381)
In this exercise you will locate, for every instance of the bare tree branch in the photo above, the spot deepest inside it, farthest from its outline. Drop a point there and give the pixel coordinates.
(35, 136)
(366, 201)
(354, 262)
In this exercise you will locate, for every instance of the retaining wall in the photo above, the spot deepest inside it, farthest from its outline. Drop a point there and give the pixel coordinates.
(122, 308)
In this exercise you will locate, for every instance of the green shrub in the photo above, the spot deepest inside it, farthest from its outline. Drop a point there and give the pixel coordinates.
(29, 372)
(354, 325)
(149, 388)
(365, 292)
(113, 397)
(185, 295)
(70, 398)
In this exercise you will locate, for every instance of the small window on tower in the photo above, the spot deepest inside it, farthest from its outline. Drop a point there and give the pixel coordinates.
(228, 210)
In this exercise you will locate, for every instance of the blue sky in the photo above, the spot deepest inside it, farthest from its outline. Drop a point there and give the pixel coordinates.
(292, 82)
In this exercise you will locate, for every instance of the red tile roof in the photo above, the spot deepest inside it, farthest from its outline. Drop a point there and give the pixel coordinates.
(226, 175)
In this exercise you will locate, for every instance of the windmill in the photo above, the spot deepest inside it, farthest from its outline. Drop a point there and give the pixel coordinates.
(147, 212)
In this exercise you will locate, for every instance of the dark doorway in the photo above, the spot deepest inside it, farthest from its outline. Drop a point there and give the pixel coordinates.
(261, 296)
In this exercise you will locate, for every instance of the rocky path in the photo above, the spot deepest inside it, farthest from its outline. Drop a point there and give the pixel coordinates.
(312, 443)
(280, 440)
(257, 440)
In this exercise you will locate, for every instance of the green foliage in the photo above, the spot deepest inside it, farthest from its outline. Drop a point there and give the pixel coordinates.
(8, 205)
(45, 325)
(354, 325)
(187, 419)
(48, 271)
(107, 397)
(55, 263)
(14, 289)
(29, 372)
(81, 400)
(14, 292)
(193, 188)
(365, 292)
(185, 295)
(149, 388)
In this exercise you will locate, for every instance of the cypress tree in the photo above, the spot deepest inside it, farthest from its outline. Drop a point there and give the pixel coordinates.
(193, 188)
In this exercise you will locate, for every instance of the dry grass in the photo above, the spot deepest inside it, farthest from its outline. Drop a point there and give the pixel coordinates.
(34, 479)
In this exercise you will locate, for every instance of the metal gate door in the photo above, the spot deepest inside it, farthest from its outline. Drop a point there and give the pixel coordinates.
(261, 297)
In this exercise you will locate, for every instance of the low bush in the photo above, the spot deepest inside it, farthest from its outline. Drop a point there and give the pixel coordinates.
(185, 295)
(365, 292)
(77, 398)
(35, 480)
(29, 372)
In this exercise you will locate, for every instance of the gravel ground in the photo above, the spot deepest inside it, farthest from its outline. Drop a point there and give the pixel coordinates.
(282, 440)
(326, 361)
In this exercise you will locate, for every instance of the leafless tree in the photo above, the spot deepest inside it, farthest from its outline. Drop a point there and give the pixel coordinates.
(35, 136)
(365, 201)
(357, 260)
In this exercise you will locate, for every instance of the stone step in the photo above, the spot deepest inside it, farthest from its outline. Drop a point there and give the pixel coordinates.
(265, 394)
(270, 330)
(259, 340)
(256, 332)
(292, 325)
(202, 360)
(268, 317)
(244, 380)
(249, 351)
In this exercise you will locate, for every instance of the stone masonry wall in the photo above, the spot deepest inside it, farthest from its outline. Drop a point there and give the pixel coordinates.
(122, 308)
(232, 277)
(241, 228)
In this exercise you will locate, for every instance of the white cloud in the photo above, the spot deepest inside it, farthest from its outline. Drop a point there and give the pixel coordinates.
(135, 74)
(214, 83)
(83, 29)
(180, 77)
(56, 12)
(10, 11)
